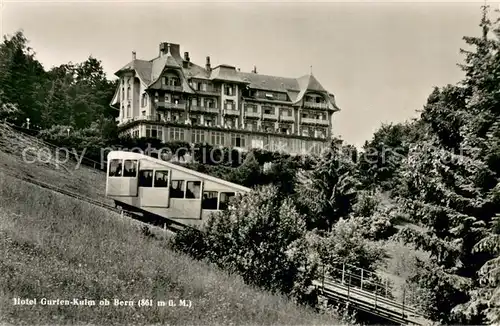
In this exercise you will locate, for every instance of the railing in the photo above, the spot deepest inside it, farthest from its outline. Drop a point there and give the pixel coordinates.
(234, 112)
(169, 105)
(252, 114)
(211, 91)
(287, 118)
(314, 121)
(176, 88)
(315, 105)
(204, 109)
(270, 116)
(366, 290)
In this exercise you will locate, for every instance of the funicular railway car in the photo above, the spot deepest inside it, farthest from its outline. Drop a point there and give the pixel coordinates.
(158, 188)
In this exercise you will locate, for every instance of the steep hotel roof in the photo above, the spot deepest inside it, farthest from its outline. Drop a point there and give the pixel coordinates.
(150, 71)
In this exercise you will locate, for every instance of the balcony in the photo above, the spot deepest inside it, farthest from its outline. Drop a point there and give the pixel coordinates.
(204, 109)
(267, 116)
(314, 105)
(252, 114)
(287, 118)
(176, 88)
(209, 91)
(172, 106)
(311, 121)
(231, 111)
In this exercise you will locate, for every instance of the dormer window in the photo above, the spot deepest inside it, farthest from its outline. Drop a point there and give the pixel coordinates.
(174, 81)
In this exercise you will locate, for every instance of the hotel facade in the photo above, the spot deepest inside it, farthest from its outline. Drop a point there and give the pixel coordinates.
(173, 99)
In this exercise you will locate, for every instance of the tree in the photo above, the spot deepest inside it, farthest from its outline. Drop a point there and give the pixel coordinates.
(21, 77)
(327, 192)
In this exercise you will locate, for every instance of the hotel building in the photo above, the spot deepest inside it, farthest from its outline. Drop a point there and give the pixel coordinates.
(173, 99)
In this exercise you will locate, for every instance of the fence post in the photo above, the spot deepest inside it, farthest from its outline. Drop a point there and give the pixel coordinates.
(404, 294)
(323, 281)
(349, 289)
(361, 279)
(343, 272)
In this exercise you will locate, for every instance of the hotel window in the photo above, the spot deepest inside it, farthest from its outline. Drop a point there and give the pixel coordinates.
(204, 87)
(154, 132)
(228, 90)
(286, 112)
(194, 85)
(176, 134)
(251, 125)
(143, 100)
(217, 138)
(229, 105)
(177, 189)
(123, 93)
(128, 93)
(174, 81)
(238, 140)
(210, 200)
(198, 136)
(161, 179)
(166, 98)
(128, 111)
(251, 108)
(268, 110)
(194, 101)
(193, 189)
(210, 103)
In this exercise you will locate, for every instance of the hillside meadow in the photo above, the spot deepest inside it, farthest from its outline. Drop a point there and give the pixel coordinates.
(57, 247)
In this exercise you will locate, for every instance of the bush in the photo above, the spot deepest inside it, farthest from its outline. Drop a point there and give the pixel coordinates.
(261, 238)
(190, 241)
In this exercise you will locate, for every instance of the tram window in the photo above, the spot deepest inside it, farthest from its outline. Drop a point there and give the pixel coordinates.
(146, 178)
(115, 168)
(177, 189)
(210, 200)
(224, 199)
(130, 168)
(193, 189)
(161, 179)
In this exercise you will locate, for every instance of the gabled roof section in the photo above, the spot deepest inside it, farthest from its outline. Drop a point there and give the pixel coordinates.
(141, 67)
(308, 83)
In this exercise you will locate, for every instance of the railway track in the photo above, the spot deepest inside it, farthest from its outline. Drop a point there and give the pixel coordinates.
(116, 209)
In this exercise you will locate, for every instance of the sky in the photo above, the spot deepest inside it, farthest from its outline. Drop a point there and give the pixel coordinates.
(380, 59)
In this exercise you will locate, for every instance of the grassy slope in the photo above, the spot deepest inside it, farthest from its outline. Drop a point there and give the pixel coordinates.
(54, 247)
(82, 180)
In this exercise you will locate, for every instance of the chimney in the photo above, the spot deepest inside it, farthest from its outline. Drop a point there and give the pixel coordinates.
(254, 69)
(133, 55)
(185, 62)
(207, 66)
